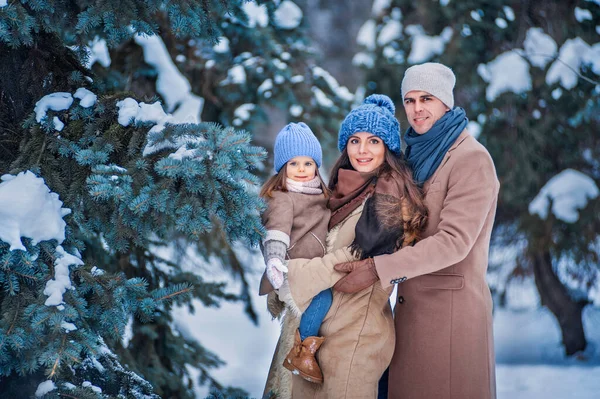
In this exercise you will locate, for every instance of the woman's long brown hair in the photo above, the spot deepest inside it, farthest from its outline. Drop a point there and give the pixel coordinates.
(414, 211)
(278, 183)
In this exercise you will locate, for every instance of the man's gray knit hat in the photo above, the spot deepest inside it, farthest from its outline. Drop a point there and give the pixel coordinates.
(436, 79)
(296, 140)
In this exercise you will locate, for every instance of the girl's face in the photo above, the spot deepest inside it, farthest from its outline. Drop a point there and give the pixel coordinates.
(301, 169)
(366, 151)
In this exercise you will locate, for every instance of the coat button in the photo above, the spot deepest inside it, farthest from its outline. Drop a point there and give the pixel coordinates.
(400, 299)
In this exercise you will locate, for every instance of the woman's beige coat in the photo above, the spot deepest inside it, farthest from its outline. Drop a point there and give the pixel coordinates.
(358, 330)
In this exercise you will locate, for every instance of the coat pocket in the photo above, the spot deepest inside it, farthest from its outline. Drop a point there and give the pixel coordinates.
(446, 281)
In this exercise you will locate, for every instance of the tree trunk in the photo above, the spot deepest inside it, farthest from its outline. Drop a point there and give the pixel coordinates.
(555, 297)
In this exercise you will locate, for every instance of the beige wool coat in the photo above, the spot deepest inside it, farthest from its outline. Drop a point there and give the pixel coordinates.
(358, 330)
(443, 316)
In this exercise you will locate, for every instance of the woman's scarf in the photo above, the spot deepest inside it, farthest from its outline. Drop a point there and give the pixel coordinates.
(425, 152)
(351, 190)
(305, 187)
(387, 222)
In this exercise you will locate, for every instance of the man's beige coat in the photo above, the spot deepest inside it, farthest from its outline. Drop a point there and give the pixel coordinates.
(358, 330)
(443, 315)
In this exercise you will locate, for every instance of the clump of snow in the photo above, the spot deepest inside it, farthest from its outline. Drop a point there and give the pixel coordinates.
(540, 48)
(466, 31)
(444, 3)
(288, 15)
(222, 46)
(170, 84)
(68, 385)
(257, 14)
(569, 191)
(582, 14)
(510, 14)
(557, 93)
(366, 35)
(86, 97)
(242, 113)
(235, 75)
(340, 91)
(392, 30)
(363, 60)
(3, 3)
(379, 6)
(296, 110)
(476, 15)
(44, 387)
(265, 86)
(517, 81)
(97, 51)
(68, 326)
(59, 101)
(128, 333)
(501, 23)
(58, 125)
(474, 129)
(56, 287)
(322, 98)
(130, 110)
(87, 384)
(572, 54)
(424, 47)
(37, 214)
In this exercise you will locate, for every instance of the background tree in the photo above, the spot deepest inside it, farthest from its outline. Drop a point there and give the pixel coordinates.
(142, 179)
(527, 76)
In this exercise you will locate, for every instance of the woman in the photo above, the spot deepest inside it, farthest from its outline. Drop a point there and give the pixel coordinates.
(373, 195)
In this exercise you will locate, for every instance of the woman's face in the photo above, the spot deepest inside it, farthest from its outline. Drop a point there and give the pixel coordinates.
(366, 151)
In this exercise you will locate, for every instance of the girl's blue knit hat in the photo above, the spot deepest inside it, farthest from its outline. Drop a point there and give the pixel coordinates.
(375, 116)
(296, 140)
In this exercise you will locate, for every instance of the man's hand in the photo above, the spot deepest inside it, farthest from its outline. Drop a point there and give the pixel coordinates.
(361, 274)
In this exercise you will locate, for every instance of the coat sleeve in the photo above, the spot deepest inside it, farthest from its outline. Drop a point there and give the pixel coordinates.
(278, 218)
(307, 277)
(472, 191)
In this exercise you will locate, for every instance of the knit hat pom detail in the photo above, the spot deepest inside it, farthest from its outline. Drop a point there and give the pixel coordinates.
(381, 100)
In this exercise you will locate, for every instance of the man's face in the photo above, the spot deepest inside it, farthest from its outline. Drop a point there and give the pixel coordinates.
(423, 110)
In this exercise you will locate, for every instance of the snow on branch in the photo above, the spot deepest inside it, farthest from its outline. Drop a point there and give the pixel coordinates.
(569, 191)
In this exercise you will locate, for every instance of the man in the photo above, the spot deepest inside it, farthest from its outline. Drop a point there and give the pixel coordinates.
(443, 315)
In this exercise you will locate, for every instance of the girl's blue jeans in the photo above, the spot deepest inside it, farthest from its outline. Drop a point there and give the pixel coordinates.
(315, 313)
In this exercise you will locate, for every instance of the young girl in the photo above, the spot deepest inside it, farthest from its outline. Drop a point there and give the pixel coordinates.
(296, 221)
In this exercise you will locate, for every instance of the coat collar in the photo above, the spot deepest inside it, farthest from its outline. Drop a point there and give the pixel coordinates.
(462, 137)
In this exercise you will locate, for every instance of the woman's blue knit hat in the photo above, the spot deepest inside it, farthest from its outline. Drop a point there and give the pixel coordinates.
(375, 116)
(296, 140)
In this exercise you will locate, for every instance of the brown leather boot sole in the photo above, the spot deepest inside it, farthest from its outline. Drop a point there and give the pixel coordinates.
(288, 365)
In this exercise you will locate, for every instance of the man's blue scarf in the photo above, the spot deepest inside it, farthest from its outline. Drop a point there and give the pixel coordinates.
(425, 152)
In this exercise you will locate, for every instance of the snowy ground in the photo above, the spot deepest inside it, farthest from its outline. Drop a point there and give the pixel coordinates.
(529, 356)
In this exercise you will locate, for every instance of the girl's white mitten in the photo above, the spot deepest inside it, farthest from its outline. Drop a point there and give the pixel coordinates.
(275, 270)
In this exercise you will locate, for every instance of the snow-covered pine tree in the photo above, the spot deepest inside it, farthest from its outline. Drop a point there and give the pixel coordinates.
(528, 77)
(259, 64)
(136, 179)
